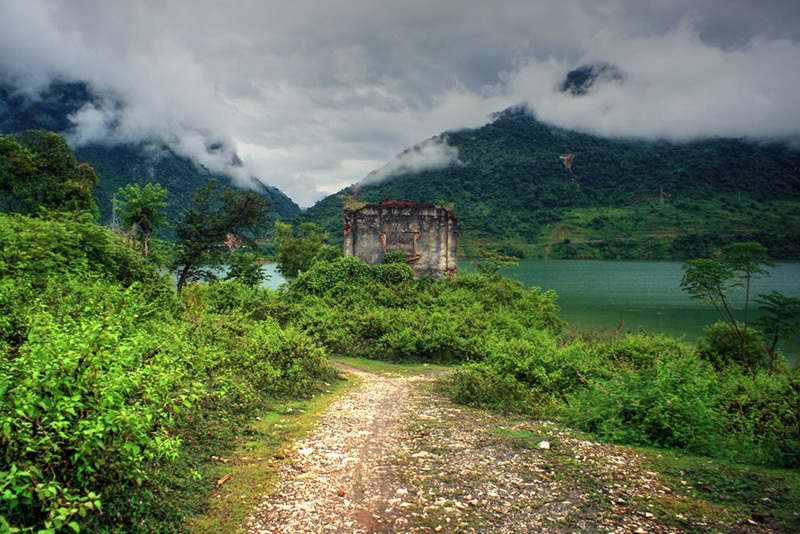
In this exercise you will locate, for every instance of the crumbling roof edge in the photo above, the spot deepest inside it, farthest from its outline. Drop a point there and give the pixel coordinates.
(390, 202)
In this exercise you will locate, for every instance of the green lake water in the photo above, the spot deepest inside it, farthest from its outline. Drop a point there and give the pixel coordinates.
(645, 295)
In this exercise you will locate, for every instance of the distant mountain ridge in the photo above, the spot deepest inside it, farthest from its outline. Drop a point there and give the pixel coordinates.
(511, 185)
(121, 164)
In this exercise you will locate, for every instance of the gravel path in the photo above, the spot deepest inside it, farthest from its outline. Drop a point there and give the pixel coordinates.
(345, 478)
(393, 456)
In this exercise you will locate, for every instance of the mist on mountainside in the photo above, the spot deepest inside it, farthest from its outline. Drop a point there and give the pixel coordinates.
(120, 161)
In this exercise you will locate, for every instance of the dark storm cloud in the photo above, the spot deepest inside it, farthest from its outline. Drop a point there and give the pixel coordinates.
(315, 95)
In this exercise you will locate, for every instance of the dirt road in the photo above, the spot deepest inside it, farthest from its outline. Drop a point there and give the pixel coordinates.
(395, 457)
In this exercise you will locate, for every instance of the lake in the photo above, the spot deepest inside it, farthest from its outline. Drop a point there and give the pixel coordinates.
(645, 295)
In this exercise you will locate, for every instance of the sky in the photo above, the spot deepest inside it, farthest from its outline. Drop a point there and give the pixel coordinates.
(314, 96)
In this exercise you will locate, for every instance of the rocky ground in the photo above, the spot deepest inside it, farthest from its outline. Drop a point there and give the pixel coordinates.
(396, 457)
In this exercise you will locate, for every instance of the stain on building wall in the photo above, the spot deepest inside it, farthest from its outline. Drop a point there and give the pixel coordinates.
(428, 235)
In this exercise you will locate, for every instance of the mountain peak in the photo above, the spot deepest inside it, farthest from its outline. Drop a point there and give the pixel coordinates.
(579, 81)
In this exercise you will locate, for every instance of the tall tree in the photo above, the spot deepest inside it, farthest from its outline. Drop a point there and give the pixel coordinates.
(713, 282)
(219, 211)
(38, 169)
(297, 253)
(493, 261)
(143, 210)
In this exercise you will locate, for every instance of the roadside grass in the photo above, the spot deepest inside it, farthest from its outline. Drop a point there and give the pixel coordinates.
(252, 467)
(700, 491)
(727, 490)
(561, 462)
(392, 369)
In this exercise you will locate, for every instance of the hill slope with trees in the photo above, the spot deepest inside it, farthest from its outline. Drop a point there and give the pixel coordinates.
(511, 188)
(118, 165)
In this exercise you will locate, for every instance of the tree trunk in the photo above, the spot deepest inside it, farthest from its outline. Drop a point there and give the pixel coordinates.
(145, 241)
(182, 277)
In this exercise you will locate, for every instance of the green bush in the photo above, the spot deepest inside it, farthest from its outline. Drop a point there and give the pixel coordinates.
(722, 347)
(639, 390)
(529, 372)
(35, 249)
(396, 256)
(762, 418)
(380, 312)
(113, 392)
(478, 384)
(670, 403)
(257, 303)
(81, 411)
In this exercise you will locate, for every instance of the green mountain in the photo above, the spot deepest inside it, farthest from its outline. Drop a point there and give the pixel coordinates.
(621, 198)
(119, 165)
(149, 162)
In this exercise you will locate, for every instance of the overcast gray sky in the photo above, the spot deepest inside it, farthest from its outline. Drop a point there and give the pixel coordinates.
(314, 95)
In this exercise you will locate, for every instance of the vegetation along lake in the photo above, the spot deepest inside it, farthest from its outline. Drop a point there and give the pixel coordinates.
(643, 294)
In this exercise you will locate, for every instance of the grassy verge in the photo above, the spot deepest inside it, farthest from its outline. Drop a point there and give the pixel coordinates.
(252, 467)
(727, 491)
(392, 369)
(691, 493)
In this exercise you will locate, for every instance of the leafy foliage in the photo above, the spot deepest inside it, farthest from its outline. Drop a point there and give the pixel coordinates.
(298, 253)
(246, 269)
(114, 392)
(780, 319)
(668, 403)
(493, 261)
(218, 213)
(721, 346)
(39, 170)
(713, 282)
(381, 312)
(142, 210)
(34, 250)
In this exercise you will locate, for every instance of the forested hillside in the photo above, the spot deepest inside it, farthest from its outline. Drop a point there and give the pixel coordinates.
(145, 163)
(512, 187)
(119, 165)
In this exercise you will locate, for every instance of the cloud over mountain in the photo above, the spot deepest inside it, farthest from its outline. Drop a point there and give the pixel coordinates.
(431, 154)
(314, 96)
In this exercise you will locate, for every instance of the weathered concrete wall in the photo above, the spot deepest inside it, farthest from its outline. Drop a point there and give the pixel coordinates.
(427, 234)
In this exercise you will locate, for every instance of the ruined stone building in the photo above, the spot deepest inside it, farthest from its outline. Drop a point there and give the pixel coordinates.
(427, 234)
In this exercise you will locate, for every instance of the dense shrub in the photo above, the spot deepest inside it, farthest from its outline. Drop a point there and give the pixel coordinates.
(221, 297)
(721, 347)
(514, 375)
(380, 312)
(82, 410)
(113, 392)
(639, 390)
(762, 417)
(36, 249)
(669, 403)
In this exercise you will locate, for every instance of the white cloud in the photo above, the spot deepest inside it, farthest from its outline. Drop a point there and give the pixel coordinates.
(675, 87)
(431, 154)
(313, 95)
